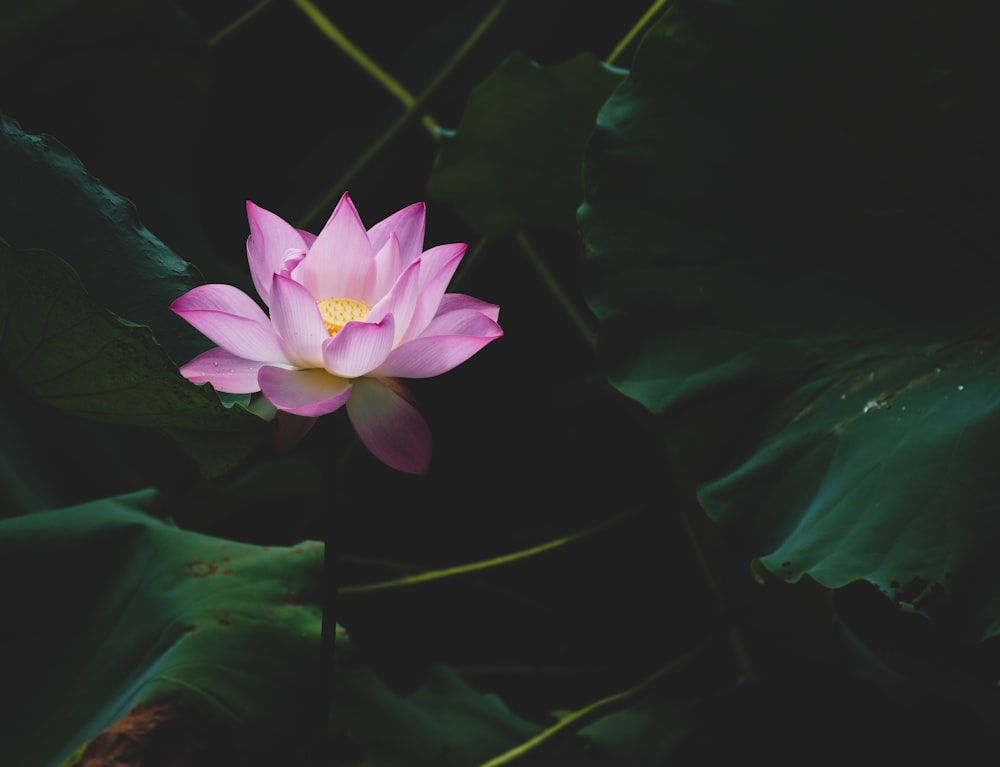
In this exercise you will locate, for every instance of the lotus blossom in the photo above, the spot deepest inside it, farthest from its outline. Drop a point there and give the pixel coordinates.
(350, 312)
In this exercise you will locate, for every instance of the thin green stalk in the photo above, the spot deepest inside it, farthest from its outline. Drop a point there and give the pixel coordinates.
(470, 260)
(385, 564)
(538, 264)
(328, 637)
(362, 59)
(638, 29)
(226, 31)
(403, 120)
(736, 643)
(328, 506)
(472, 567)
(578, 719)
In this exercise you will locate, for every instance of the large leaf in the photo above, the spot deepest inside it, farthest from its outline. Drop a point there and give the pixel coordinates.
(50, 201)
(515, 159)
(119, 620)
(444, 721)
(790, 250)
(75, 356)
(142, 641)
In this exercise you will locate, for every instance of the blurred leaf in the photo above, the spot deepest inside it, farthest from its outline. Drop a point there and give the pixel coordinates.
(144, 146)
(126, 619)
(444, 721)
(57, 205)
(516, 157)
(75, 356)
(643, 735)
(791, 247)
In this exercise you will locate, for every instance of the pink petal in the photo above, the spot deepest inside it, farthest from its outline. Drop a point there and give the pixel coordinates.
(400, 301)
(231, 319)
(303, 392)
(307, 237)
(298, 322)
(450, 341)
(468, 321)
(408, 224)
(455, 301)
(339, 261)
(437, 267)
(359, 348)
(389, 426)
(270, 238)
(225, 371)
(292, 259)
(385, 272)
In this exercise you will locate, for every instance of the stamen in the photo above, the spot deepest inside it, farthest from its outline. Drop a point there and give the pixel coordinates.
(337, 312)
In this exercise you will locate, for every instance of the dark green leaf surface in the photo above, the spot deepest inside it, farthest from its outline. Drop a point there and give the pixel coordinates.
(643, 735)
(790, 248)
(445, 720)
(50, 201)
(75, 356)
(515, 159)
(107, 608)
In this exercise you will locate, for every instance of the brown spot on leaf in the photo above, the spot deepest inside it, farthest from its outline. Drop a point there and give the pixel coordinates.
(224, 620)
(162, 733)
(227, 572)
(290, 599)
(202, 569)
(125, 743)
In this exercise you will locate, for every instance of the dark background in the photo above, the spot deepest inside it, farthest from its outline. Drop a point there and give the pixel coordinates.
(530, 442)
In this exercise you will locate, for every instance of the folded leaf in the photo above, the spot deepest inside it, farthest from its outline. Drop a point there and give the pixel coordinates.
(790, 246)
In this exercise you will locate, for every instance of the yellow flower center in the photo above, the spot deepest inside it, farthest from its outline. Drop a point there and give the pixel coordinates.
(337, 312)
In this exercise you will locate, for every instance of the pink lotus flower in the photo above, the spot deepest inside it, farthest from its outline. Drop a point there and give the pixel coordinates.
(351, 312)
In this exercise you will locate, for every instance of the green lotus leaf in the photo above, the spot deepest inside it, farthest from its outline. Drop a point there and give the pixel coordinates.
(73, 355)
(118, 618)
(515, 158)
(56, 204)
(445, 719)
(788, 245)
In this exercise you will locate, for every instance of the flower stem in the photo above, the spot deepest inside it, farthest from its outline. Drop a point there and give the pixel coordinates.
(578, 719)
(327, 506)
(404, 119)
(327, 639)
(469, 262)
(538, 264)
(449, 572)
(735, 639)
(639, 28)
(226, 31)
(362, 59)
